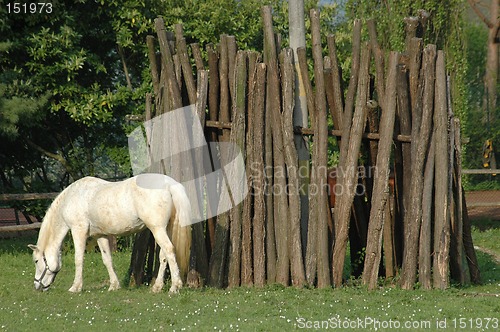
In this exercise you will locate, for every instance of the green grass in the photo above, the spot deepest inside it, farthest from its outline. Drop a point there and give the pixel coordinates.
(272, 308)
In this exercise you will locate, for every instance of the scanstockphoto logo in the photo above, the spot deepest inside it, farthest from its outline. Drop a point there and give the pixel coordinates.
(174, 144)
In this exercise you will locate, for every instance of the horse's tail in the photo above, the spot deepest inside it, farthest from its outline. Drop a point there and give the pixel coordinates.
(179, 229)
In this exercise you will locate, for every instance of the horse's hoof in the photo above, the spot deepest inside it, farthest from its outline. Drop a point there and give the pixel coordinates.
(156, 289)
(173, 290)
(113, 288)
(74, 289)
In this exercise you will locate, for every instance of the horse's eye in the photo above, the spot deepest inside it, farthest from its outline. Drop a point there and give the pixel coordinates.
(36, 262)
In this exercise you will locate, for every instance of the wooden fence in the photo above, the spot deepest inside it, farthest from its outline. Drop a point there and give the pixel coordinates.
(24, 197)
(395, 112)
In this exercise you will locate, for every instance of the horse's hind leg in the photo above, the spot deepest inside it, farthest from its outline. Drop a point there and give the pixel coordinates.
(166, 255)
(103, 243)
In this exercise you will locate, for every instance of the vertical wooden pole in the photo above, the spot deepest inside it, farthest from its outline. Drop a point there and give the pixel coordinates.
(312, 230)
(292, 167)
(213, 114)
(425, 241)
(274, 107)
(470, 252)
(321, 143)
(381, 180)
(273, 110)
(259, 181)
(187, 70)
(459, 265)
(350, 174)
(238, 137)
(337, 108)
(414, 217)
(198, 271)
(442, 213)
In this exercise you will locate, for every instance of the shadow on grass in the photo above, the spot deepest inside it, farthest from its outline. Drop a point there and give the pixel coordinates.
(484, 224)
(489, 267)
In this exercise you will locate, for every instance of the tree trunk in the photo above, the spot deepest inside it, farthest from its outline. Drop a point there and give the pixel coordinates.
(491, 72)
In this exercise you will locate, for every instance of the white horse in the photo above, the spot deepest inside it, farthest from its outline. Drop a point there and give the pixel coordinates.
(97, 208)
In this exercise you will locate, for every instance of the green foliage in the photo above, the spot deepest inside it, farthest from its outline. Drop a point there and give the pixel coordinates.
(478, 128)
(62, 90)
(16, 110)
(204, 21)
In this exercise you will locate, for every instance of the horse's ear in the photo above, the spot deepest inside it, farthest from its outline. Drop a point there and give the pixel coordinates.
(32, 247)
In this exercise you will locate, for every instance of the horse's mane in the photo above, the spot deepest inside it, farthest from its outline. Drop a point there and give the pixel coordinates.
(48, 222)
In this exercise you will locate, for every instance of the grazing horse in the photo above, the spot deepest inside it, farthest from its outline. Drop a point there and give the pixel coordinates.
(97, 208)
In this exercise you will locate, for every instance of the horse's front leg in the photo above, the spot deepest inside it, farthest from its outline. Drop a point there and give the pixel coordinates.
(103, 243)
(79, 240)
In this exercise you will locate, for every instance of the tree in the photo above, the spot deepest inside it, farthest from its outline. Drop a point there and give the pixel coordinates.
(66, 81)
(491, 73)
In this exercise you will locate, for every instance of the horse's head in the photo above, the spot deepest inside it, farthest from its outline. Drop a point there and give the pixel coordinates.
(46, 268)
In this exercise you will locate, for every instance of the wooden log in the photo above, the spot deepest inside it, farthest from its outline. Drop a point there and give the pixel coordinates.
(470, 252)
(168, 62)
(403, 177)
(281, 208)
(338, 133)
(349, 170)
(381, 179)
(350, 95)
(411, 26)
(389, 245)
(416, 89)
(425, 241)
(321, 163)
(292, 167)
(442, 200)
(246, 233)
(224, 73)
(238, 138)
(217, 267)
(138, 257)
(414, 217)
(259, 181)
(198, 58)
(155, 74)
(27, 196)
(198, 271)
(378, 55)
(20, 228)
(213, 115)
(272, 102)
(232, 49)
(337, 107)
(187, 70)
(460, 270)
(177, 69)
(312, 229)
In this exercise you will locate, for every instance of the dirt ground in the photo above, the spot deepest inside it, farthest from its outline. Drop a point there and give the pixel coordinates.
(492, 198)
